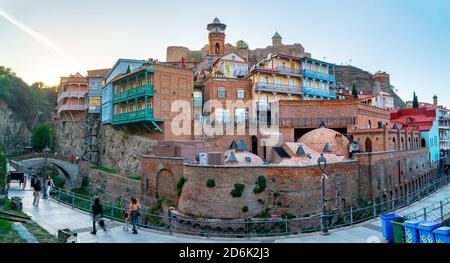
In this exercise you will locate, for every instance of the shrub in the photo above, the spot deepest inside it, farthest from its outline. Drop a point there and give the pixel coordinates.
(180, 184)
(276, 194)
(245, 209)
(238, 189)
(210, 183)
(260, 185)
(59, 181)
(135, 177)
(287, 215)
(264, 214)
(104, 169)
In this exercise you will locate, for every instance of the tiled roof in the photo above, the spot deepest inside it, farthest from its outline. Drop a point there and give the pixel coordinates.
(420, 119)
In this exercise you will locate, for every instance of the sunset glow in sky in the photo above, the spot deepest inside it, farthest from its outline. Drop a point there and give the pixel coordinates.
(409, 39)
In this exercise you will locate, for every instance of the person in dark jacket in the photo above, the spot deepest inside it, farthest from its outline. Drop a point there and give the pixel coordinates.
(37, 187)
(97, 214)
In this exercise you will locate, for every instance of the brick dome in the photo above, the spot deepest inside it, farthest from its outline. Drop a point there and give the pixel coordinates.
(318, 139)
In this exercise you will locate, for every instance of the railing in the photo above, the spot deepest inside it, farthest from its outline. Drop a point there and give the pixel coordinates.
(289, 71)
(133, 116)
(71, 107)
(318, 75)
(274, 87)
(144, 90)
(315, 122)
(173, 222)
(435, 212)
(71, 94)
(319, 92)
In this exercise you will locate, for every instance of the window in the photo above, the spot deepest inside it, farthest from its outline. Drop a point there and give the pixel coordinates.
(233, 57)
(221, 93)
(240, 115)
(94, 102)
(197, 99)
(240, 94)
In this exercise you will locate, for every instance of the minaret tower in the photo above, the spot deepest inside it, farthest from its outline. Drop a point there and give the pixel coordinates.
(216, 38)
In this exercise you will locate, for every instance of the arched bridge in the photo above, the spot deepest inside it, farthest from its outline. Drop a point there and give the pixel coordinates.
(69, 169)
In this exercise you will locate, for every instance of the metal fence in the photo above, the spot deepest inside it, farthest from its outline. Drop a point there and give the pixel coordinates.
(173, 222)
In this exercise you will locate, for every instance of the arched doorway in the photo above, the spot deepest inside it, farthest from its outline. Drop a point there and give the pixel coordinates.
(165, 184)
(368, 145)
(217, 48)
(423, 143)
(254, 145)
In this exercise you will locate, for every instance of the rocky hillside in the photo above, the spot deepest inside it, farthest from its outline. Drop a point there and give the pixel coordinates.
(21, 107)
(349, 75)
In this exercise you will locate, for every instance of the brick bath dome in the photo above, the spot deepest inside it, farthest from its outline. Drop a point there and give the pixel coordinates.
(317, 140)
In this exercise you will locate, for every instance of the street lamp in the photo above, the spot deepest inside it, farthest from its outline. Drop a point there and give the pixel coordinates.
(322, 163)
(46, 151)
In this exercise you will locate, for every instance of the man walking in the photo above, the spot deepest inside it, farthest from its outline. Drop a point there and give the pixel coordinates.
(37, 187)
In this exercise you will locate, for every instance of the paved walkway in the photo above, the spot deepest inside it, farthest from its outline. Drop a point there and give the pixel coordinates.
(52, 216)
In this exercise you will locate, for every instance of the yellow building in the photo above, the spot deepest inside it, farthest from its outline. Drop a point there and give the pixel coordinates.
(278, 77)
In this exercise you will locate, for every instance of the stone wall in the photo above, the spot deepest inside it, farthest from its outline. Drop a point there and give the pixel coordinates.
(13, 132)
(394, 172)
(111, 187)
(70, 137)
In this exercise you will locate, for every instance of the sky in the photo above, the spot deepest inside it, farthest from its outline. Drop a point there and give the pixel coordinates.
(410, 39)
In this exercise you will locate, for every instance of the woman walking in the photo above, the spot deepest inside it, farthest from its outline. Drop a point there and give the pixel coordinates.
(97, 214)
(37, 187)
(50, 185)
(133, 210)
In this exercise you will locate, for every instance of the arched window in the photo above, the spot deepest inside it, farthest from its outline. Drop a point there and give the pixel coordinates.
(369, 125)
(217, 48)
(423, 143)
(394, 143)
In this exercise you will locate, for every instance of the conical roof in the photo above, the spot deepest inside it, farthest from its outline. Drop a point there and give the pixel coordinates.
(216, 20)
(300, 151)
(233, 145)
(276, 35)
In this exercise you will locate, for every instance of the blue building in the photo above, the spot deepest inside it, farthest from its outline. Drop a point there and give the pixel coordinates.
(319, 79)
(120, 67)
(94, 95)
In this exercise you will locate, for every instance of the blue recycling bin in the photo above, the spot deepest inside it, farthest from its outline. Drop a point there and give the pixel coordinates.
(411, 231)
(442, 234)
(426, 231)
(386, 225)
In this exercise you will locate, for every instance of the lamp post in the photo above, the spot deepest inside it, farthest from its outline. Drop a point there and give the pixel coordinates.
(46, 151)
(322, 163)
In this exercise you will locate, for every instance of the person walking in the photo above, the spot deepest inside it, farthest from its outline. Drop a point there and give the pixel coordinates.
(97, 216)
(37, 187)
(134, 213)
(49, 186)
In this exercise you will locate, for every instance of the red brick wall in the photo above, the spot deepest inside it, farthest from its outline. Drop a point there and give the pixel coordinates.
(299, 189)
(381, 173)
(231, 86)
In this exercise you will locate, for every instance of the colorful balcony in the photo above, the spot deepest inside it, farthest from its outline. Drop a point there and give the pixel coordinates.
(289, 71)
(309, 91)
(133, 116)
(278, 88)
(318, 75)
(140, 91)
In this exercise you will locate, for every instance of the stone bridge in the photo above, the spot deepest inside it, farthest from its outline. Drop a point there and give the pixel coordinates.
(70, 170)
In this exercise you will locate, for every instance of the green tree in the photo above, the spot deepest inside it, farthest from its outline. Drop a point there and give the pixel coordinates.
(3, 163)
(415, 101)
(354, 91)
(41, 136)
(241, 44)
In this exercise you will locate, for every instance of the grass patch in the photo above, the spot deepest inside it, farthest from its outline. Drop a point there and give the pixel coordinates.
(135, 177)
(104, 169)
(8, 235)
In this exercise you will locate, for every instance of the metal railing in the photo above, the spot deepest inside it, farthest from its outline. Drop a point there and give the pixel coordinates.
(282, 88)
(318, 75)
(289, 71)
(174, 222)
(319, 92)
(315, 122)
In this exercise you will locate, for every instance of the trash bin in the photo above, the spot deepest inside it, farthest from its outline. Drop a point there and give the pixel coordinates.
(442, 234)
(411, 231)
(386, 225)
(67, 236)
(399, 230)
(16, 203)
(426, 231)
